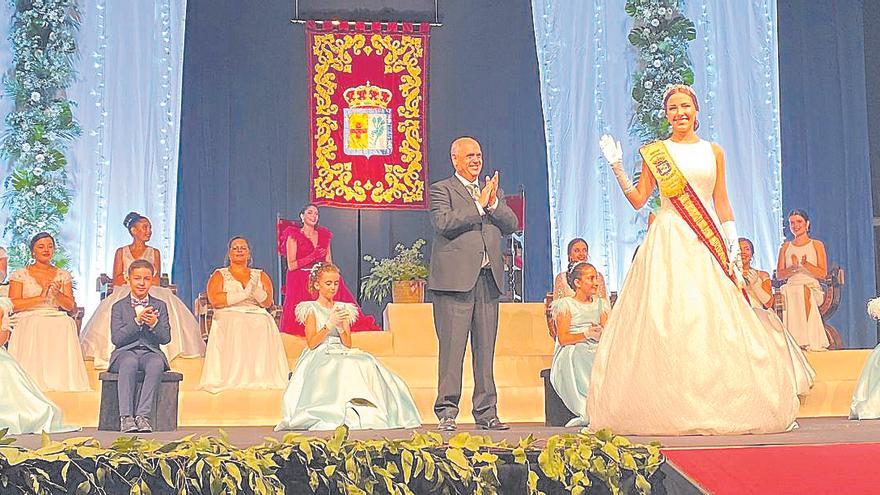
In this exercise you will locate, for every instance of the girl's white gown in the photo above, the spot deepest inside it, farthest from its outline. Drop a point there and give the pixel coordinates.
(44, 340)
(186, 337)
(328, 380)
(572, 363)
(23, 407)
(245, 350)
(683, 352)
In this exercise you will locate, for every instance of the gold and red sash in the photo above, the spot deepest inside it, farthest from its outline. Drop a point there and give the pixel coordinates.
(674, 186)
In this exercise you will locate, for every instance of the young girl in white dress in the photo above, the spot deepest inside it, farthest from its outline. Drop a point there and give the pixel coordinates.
(186, 337)
(334, 384)
(44, 337)
(866, 397)
(245, 350)
(579, 320)
(802, 263)
(760, 291)
(23, 407)
(683, 352)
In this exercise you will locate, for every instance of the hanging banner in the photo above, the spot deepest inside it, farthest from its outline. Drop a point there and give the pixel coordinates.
(367, 102)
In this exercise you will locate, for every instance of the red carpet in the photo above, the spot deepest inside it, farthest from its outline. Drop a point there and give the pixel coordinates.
(804, 469)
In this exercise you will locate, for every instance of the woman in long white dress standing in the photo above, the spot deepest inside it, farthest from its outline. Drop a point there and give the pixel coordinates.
(186, 337)
(683, 352)
(44, 338)
(245, 350)
(802, 263)
(334, 384)
(23, 406)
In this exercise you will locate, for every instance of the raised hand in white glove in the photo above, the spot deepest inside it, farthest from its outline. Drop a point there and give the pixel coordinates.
(259, 294)
(611, 149)
(614, 155)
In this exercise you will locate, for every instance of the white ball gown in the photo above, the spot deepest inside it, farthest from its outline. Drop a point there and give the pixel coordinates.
(23, 407)
(328, 380)
(572, 363)
(866, 397)
(683, 352)
(245, 350)
(186, 337)
(44, 340)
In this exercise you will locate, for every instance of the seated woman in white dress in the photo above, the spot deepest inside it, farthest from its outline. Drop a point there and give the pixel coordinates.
(23, 407)
(244, 348)
(44, 338)
(578, 251)
(802, 263)
(866, 397)
(759, 288)
(579, 321)
(186, 337)
(334, 384)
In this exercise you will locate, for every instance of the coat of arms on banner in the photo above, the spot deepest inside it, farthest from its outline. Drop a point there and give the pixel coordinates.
(367, 128)
(367, 109)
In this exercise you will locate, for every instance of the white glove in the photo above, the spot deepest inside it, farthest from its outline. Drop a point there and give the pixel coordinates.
(734, 256)
(259, 294)
(614, 154)
(236, 297)
(611, 149)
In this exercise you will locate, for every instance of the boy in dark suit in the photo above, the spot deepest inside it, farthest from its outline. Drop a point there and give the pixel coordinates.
(138, 326)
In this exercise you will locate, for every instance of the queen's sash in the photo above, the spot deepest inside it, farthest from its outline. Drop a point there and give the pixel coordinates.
(674, 186)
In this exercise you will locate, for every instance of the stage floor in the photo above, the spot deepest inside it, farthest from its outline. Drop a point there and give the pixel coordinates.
(811, 431)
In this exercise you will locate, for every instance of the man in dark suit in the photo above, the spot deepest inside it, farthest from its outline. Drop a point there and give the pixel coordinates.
(138, 326)
(466, 279)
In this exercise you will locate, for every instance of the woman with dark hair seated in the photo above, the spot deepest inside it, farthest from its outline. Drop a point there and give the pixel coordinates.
(578, 252)
(23, 406)
(304, 246)
(245, 350)
(44, 340)
(759, 288)
(186, 337)
(802, 264)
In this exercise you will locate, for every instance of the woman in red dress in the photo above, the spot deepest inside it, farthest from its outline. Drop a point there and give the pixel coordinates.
(304, 246)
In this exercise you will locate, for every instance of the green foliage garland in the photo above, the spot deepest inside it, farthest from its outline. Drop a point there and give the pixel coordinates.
(37, 194)
(297, 464)
(661, 35)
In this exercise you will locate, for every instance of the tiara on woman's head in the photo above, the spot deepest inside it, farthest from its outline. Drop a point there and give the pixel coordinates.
(674, 87)
(317, 266)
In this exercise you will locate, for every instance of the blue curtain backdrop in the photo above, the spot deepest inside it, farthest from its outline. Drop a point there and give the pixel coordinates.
(244, 146)
(826, 170)
(586, 65)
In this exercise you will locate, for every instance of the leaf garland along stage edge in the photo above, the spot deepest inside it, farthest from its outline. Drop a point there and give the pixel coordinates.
(424, 463)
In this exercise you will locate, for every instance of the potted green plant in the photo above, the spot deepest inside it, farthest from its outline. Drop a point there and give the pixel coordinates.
(403, 275)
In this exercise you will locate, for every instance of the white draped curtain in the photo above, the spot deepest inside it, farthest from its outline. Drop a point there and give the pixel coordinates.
(586, 66)
(128, 102)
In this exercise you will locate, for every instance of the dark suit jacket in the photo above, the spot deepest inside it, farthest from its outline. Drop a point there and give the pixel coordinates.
(126, 334)
(461, 234)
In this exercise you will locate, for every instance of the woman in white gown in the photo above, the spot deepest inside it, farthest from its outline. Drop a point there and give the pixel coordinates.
(186, 337)
(23, 407)
(802, 263)
(44, 338)
(683, 352)
(579, 319)
(334, 384)
(866, 397)
(245, 350)
(760, 291)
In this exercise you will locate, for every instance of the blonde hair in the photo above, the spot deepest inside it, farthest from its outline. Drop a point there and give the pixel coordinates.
(316, 271)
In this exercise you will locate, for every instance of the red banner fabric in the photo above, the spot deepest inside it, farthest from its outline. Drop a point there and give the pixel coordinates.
(368, 93)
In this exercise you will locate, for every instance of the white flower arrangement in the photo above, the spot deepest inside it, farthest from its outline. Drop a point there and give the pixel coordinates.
(36, 191)
(874, 308)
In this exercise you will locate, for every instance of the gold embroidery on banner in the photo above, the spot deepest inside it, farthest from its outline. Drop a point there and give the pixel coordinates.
(400, 56)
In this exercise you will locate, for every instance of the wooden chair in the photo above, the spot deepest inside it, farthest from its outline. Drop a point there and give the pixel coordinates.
(832, 287)
(204, 311)
(104, 284)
